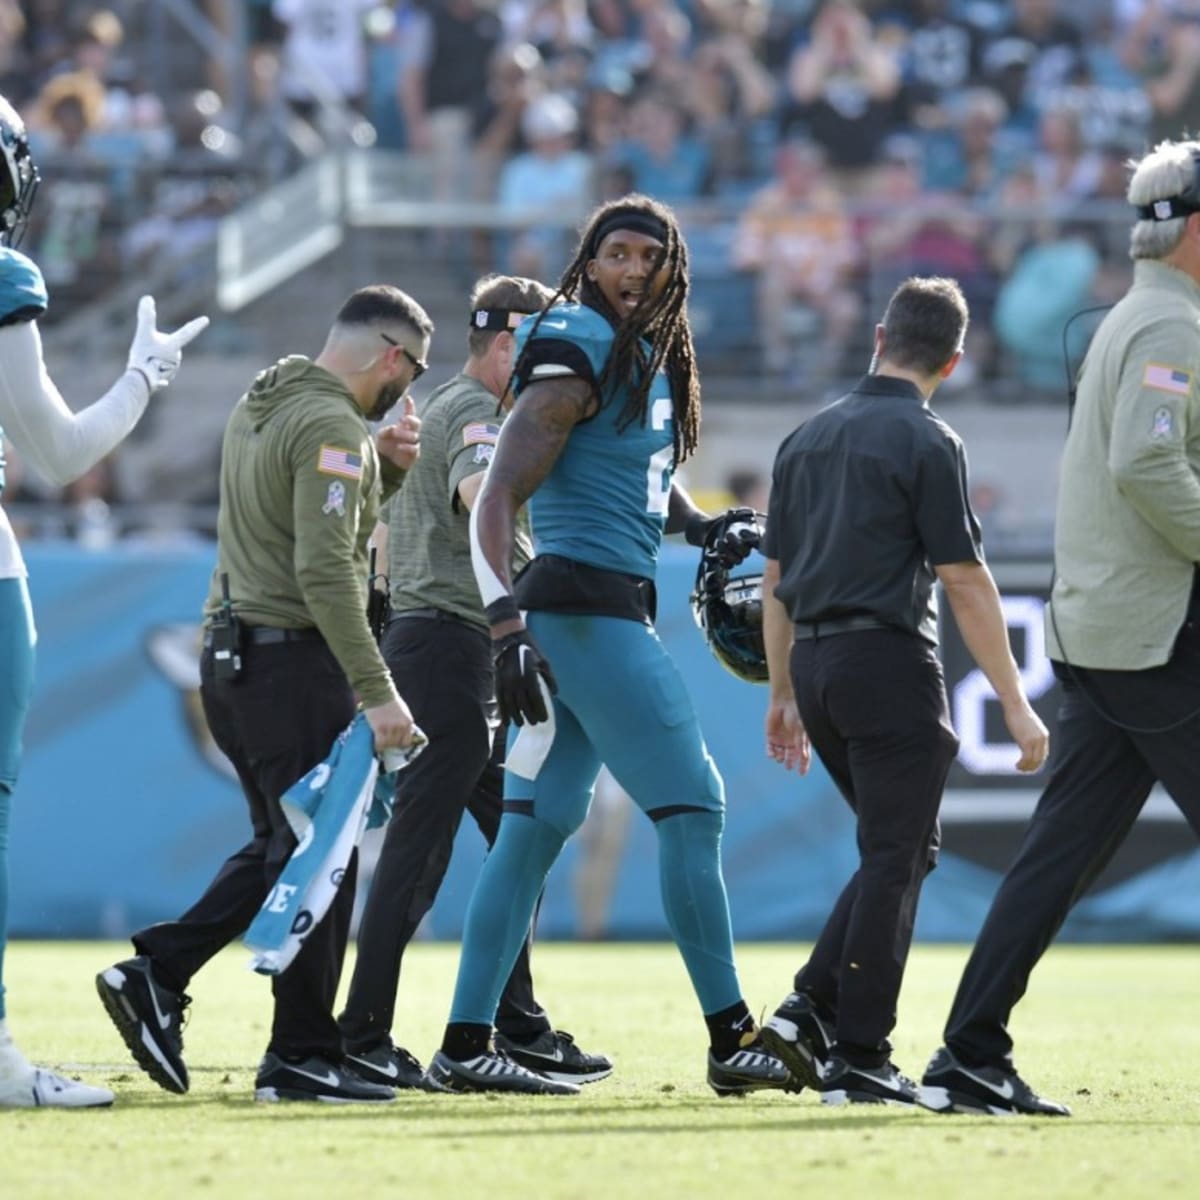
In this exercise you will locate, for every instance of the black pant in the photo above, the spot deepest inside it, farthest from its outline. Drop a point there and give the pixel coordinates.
(1101, 777)
(443, 669)
(274, 724)
(874, 705)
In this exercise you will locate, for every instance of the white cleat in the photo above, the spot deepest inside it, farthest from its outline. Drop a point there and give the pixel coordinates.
(39, 1088)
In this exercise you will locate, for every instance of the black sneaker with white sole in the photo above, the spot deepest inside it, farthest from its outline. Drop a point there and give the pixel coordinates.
(315, 1078)
(750, 1068)
(555, 1055)
(388, 1064)
(149, 1017)
(950, 1086)
(800, 1038)
(843, 1083)
(491, 1071)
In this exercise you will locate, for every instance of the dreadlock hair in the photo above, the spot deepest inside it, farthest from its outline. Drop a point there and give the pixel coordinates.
(662, 322)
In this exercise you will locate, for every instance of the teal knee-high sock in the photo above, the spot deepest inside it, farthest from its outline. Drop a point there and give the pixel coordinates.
(499, 913)
(5, 807)
(697, 908)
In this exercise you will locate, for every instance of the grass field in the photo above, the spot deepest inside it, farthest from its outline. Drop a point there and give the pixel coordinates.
(1111, 1030)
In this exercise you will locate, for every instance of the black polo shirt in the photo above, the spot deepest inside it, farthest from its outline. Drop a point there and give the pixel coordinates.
(867, 497)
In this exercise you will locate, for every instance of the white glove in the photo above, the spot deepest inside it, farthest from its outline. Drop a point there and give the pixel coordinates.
(156, 356)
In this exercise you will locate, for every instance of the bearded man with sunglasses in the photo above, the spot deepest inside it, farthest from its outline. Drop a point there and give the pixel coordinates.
(288, 656)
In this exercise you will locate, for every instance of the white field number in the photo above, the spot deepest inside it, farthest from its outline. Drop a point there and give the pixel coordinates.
(973, 693)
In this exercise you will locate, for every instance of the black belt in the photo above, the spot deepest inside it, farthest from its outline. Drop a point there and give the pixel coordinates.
(834, 625)
(270, 635)
(554, 583)
(434, 614)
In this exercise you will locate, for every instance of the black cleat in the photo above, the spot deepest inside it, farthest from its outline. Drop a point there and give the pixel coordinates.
(845, 1084)
(949, 1086)
(751, 1068)
(315, 1078)
(555, 1055)
(491, 1071)
(800, 1038)
(389, 1065)
(149, 1018)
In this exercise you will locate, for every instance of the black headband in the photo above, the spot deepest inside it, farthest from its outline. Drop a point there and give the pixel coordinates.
(1167, 210)
(636, 222)
(496, 320)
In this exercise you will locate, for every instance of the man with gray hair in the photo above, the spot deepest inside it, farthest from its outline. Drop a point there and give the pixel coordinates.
(1122, 628)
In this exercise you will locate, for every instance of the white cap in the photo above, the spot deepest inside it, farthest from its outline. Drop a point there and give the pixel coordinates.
(549, 116)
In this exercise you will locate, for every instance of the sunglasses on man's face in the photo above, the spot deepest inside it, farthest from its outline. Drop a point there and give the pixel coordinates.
(419, 367)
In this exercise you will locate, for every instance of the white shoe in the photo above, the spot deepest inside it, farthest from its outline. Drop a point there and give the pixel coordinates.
(39, 1088)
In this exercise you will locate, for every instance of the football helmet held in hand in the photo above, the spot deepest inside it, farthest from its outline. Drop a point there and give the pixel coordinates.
(730, 536)
(727, 605)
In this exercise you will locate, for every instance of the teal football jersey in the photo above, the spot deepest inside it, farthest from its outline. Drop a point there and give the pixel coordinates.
(22, 298)
(605, 500)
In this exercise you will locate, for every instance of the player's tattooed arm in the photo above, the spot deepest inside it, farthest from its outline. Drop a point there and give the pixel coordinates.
(535, 433)
(529, 445)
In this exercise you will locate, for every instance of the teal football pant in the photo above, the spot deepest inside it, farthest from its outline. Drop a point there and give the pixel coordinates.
(17, 641)
(621, 701)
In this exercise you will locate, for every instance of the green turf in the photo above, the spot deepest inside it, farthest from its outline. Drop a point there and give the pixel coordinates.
(1110, 1030)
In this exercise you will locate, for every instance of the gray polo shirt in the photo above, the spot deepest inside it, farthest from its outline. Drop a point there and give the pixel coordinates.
(429, 547)
(1127, 531)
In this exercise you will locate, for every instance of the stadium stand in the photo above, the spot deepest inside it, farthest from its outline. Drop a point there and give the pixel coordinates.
(257, 157)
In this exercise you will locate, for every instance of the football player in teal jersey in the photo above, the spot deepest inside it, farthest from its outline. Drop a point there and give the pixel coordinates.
(608, 404)
(62, 445)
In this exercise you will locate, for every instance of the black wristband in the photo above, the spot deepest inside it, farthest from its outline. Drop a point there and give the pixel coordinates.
(504, 609)
(695, 529)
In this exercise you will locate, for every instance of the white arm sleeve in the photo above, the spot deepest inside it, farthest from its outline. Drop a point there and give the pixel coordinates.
(59, 444)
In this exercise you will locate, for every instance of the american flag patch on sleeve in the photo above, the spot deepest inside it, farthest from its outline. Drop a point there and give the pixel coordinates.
(480, 431)
(333, 460)
(1167, 379)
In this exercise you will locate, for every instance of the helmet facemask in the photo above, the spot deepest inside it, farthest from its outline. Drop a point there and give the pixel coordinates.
(19, 180)
(727, 606)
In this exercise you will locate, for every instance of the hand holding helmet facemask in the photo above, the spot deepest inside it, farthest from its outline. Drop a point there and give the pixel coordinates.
(727, 598)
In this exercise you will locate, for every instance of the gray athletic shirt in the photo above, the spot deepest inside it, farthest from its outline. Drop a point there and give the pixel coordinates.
(429, 548)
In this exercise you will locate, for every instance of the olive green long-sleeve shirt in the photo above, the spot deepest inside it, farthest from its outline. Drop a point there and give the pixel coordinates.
(1127, 534)
(301, 486)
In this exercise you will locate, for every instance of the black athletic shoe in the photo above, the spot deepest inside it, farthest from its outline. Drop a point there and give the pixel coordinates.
(315, 1078)
(491, 1071)
(150, 1019)
(801, 1038)
(389, 1065)
(844, 1084)
(948, 1086)
(750, 1068)
(555, 1055)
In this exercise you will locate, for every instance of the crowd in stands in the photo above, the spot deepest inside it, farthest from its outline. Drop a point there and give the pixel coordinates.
(821, 150)
(818, 150)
